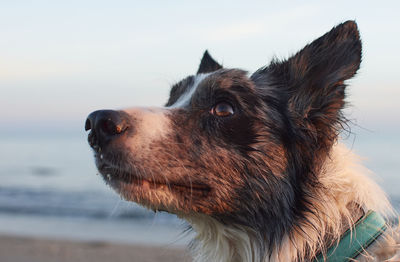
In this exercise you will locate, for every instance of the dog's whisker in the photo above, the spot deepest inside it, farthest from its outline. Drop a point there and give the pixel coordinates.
(183, 174)
(115, 208)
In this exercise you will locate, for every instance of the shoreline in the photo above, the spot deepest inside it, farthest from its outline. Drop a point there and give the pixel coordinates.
(33, 249)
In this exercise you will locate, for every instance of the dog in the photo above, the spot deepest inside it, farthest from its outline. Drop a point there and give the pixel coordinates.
(253, 162)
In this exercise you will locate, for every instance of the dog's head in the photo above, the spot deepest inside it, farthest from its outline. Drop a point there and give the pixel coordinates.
(243, 149)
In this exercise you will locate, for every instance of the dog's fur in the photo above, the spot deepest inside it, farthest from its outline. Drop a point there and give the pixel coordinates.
(268, 181)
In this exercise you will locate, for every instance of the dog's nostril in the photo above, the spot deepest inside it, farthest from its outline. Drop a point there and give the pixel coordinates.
(109, 127)
(88, 125)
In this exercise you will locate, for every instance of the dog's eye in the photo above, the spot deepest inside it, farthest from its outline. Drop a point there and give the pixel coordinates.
(222, 109)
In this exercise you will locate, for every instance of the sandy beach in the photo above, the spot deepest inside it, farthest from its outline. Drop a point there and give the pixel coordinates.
(21, 249)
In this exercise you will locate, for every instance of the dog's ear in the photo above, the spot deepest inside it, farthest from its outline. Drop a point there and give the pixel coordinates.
(312, 81)
(208, 64)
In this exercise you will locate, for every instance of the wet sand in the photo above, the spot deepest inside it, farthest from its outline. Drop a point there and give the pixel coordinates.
(21, 249)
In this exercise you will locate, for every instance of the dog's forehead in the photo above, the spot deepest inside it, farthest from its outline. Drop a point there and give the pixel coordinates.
(182, 93)
(187, 89)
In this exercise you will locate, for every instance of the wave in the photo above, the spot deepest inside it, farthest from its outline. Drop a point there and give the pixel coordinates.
(85, 204)
(94, 205)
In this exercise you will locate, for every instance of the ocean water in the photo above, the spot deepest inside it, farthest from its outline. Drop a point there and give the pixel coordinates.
(49, 188)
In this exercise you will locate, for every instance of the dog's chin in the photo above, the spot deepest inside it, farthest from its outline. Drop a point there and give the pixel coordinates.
(156, 194)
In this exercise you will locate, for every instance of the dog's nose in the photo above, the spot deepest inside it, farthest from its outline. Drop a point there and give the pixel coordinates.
(104, 125)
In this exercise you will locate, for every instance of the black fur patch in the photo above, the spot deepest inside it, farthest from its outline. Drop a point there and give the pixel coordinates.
(178, 89)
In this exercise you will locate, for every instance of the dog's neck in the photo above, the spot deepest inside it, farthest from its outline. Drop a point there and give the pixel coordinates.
(346, 193)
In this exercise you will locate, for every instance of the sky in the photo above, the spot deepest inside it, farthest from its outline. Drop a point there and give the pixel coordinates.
(60, 60)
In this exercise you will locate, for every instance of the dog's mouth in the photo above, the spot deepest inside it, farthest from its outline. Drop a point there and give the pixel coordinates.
(121, 180)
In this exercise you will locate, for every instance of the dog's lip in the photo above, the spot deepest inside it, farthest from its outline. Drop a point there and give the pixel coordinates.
(115, 176)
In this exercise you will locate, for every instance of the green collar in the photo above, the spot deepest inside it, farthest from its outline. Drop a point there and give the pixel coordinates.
(353, 242)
